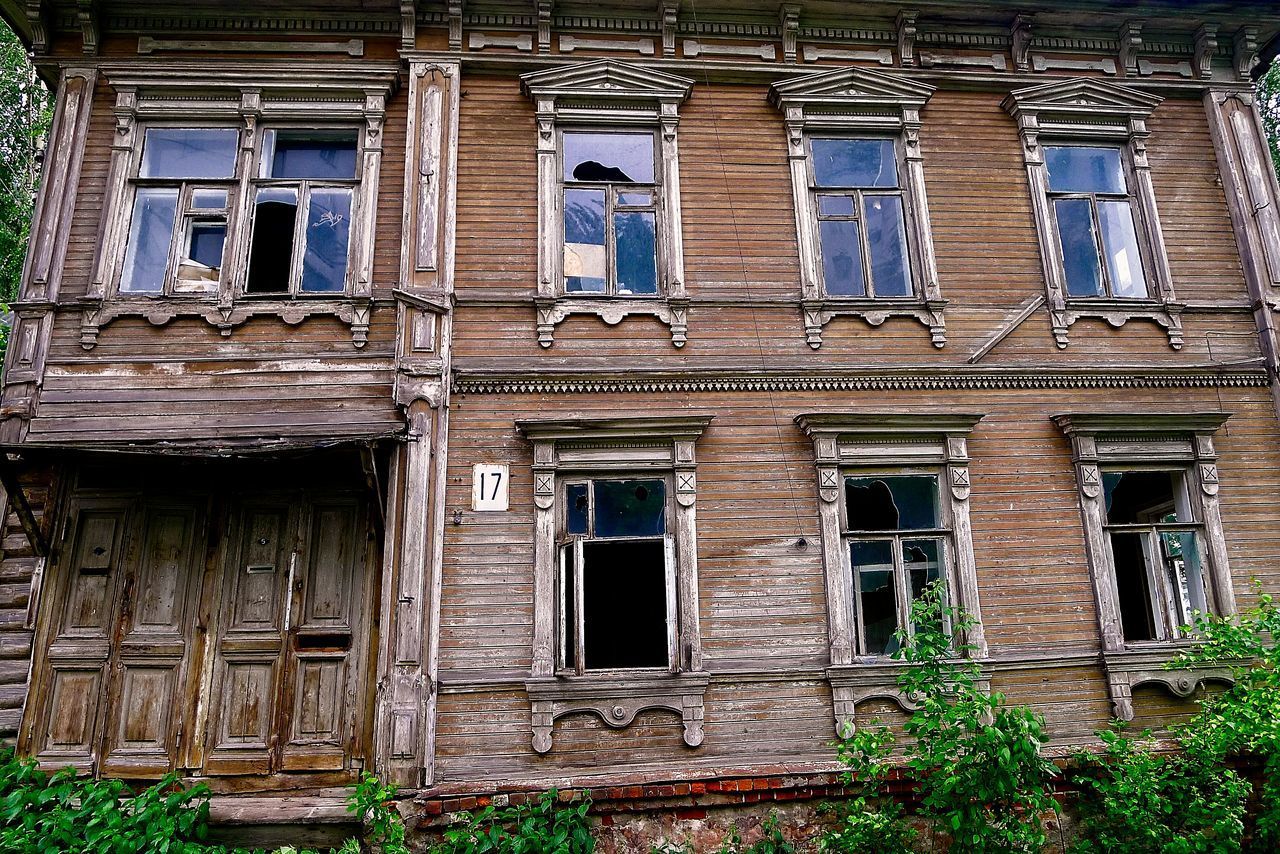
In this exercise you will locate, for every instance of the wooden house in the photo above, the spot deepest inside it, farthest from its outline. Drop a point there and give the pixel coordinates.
(503, 395)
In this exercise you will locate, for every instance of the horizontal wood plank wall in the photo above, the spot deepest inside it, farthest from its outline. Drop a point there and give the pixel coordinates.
(762, 603)
(739, 235)
(185, 379)
(17, 565)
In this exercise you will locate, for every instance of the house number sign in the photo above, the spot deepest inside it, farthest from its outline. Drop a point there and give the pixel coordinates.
(489, 487)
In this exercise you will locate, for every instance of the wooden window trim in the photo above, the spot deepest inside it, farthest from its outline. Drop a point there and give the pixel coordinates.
(880, 442)
(581, 449)
(1083, 111)
(1167, 441)
(856, 102)
(250, 97)
(608, 95)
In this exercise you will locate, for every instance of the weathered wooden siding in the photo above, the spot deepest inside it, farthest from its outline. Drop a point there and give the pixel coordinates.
(740, 249)
(762, 601)
(18, 565)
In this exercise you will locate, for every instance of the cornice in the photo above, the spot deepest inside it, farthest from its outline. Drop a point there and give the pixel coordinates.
(898, 423)
(592, 429)
(1139, 423)
(865, 379)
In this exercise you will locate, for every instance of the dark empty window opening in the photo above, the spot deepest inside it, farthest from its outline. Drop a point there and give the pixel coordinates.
(898, 544)
(1155, 548)
(302, 212)
(616, 577)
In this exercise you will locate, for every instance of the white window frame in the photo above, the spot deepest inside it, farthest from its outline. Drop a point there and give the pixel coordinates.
(573, 451)
(602, 96)
(252, 98)
(851, 444)
(1154, 441)
(1081, 112)
(860, 103)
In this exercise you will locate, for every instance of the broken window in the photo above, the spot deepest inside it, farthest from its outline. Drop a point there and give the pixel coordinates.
(1092, 206)
(1155, 546)
(178, 229)
(302, 208)
(617, 577)
(898, 541)
(862, 233)
(610, 211)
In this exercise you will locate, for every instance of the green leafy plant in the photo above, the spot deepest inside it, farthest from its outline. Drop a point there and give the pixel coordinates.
(871, 822)
(541, 827)
(1135, 799)
(1269, 107)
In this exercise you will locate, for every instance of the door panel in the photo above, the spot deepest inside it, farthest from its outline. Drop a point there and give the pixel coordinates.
(149, 668)
(251, 642)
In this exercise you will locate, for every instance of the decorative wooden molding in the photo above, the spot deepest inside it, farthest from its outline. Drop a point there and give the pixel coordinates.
(1126, 670)
(918, 379)
(929, 59)
(789, 19)
(645, 47)
(408, 24)
(518, 41)
(1050, 63)
(148, 45)
(430, 185)
(610, 93)
(159, 311)
(454, 13)
(1146, 68)
(905, 32)
(1020, 42)
(1206, 45)
(1244, 51)
(669, 12)
(37, 14)
(601, 445)
(1108, 438)
(853, 684)
(843, 440)
(542, 11)
(1084, 109)
(857, 99)
(813, 53)
(87, 18)
(1130, 38)
(617, 701)
(694, 48)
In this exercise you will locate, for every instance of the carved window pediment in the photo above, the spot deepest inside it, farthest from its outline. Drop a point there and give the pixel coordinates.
(250, 99)
(593, 84)
(1131, 279)
(860, 116)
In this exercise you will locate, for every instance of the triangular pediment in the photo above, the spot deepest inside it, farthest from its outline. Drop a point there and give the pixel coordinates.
(1083, 94)
(852, 85)
(605, 79)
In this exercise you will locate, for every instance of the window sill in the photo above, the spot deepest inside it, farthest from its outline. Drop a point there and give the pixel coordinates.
(1145, 664)
(672, 311)
(616, 699)
(875, 311)
(1117, 311)
(159, 310)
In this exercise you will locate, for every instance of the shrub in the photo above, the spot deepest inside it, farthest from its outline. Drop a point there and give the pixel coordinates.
(542, 827)
(872, 822)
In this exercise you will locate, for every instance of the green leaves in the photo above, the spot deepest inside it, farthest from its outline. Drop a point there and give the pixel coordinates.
(543, 827)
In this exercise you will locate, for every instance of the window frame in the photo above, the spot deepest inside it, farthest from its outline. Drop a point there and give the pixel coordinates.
(1178, 441)
(607, 95)
(944, 533)
(607, 448)
(255, 182)
(1086, 112)
(858, 103)
(183, 213)
(612, 190)
(566, 540)
(890, 442)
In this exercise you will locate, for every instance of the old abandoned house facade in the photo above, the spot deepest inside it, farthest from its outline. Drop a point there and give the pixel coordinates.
(500, 395)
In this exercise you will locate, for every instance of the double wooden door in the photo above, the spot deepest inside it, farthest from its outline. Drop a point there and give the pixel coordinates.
(205, 636)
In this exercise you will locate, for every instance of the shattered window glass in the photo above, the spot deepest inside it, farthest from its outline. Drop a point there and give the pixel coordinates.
(585, 264)
(324, 263)
(275, 215)
(854, 163)
(309, 154)
(608, 157)
(150, 235)
(577, 513)
(189, 153)
(892, 503)
(630, 508)
(872, 562)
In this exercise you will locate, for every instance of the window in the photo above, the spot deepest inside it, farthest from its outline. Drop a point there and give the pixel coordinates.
(1084, 144)
(898, 544)
(862, 232)
(609, 236)
(617, 579)
(1155, 549)
(862, 217)
(1148, 486)
(610, 213)
(1093, 210)
(178, 229)
(893, 491)
(615, 571)
(314, 173)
